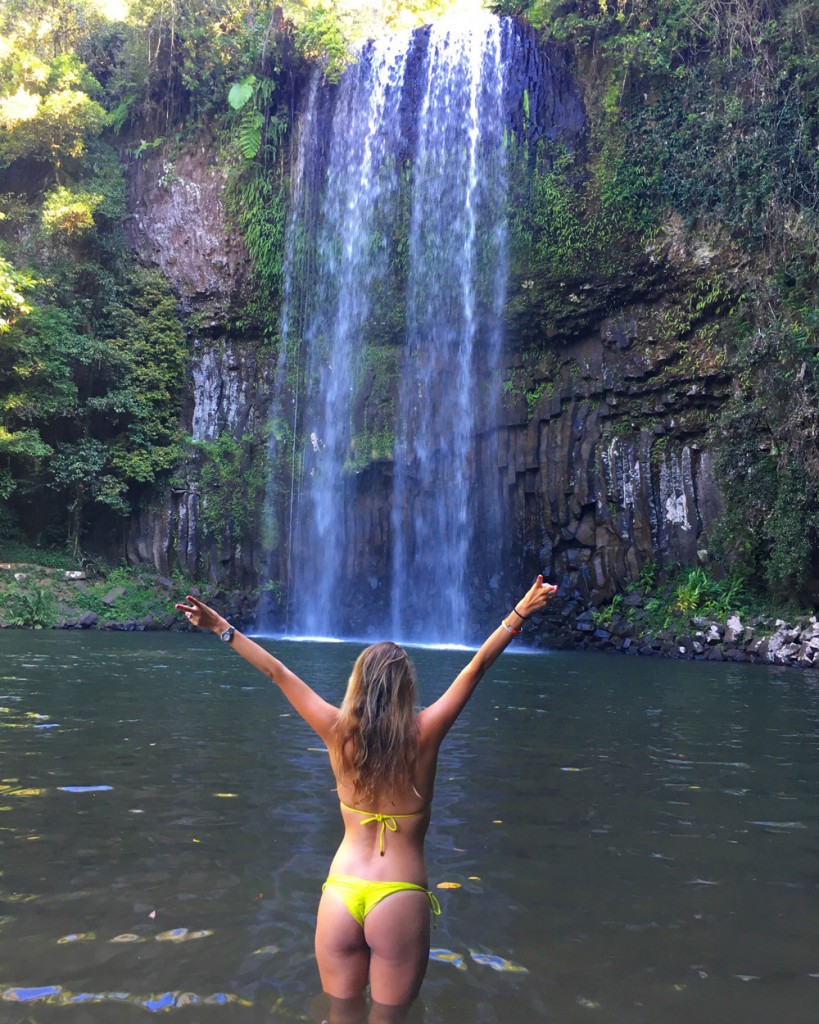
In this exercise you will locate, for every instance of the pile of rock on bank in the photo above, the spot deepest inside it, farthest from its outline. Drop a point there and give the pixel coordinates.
(695, 639)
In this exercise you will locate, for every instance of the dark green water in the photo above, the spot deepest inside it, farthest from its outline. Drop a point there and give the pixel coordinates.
(639, 836)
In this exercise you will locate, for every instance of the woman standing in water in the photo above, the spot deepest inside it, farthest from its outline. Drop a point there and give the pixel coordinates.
(374, 915)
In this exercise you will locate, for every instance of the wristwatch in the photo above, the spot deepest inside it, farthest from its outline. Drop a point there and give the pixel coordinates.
(227, 634)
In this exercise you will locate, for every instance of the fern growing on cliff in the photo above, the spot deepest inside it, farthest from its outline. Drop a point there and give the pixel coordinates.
(250, 98)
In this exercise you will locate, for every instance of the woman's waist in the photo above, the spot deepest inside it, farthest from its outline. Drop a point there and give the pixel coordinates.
(405, 864)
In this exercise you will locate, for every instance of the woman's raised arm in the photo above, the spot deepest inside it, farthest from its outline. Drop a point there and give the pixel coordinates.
(317, 712)
(435, 721)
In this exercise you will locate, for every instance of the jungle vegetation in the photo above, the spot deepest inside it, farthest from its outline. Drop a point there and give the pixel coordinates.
(705, 108)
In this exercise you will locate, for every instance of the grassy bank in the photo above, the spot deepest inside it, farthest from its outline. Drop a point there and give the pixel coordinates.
(41, 590)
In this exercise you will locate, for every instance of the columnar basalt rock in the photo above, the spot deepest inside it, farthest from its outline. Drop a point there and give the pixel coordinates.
(612, 469)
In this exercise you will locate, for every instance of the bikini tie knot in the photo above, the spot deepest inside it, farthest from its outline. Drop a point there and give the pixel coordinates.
(386, 821)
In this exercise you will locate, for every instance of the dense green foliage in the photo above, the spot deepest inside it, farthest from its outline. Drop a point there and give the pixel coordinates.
(710, 111)
(232, 475)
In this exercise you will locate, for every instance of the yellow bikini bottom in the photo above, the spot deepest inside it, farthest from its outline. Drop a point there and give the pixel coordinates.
(360, 895)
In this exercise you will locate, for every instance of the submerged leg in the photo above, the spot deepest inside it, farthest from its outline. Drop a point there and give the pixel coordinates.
(346, 1011)
(380, 1014)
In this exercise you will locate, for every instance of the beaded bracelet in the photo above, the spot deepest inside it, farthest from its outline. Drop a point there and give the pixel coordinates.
(509, 628)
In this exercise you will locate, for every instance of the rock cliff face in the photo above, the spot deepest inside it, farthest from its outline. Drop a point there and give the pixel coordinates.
(178, 224)
(230, 394)
(602, 441)
(605, 446)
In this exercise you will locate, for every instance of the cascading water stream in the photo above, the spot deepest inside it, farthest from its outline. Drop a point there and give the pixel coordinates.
(410, 144)
(456, 291)
(359, 187)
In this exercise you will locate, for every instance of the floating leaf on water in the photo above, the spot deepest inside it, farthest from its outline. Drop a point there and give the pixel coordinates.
(448, 885)
(84, 789)
(226, 796)
(447, 956)
(127, 937)
(570, 769)
(498, 821)
(587, 1004)
(474, 878)
(161, 1002)
(30, 995)
(497, 963)
(77, 937)
(266, 951)
(182, 935)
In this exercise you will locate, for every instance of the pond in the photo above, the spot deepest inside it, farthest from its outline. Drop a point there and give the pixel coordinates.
(633, 840)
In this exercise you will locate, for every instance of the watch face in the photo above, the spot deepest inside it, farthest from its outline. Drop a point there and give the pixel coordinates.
(227, 635)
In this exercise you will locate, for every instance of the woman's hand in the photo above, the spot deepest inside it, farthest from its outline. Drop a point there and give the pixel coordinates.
(198, 614)
(539, 595)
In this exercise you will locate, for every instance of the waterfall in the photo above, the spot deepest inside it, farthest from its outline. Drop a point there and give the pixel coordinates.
(395, 277)
(456, 289)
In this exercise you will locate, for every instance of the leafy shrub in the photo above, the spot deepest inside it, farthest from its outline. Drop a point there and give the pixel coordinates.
(31, 607)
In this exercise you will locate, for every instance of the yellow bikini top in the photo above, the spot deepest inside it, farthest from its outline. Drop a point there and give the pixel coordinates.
(386, 821)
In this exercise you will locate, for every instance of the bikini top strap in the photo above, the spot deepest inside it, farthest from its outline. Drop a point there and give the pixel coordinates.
(386, 821)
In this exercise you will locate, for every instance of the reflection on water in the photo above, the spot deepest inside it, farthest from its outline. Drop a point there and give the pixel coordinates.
(614, 839)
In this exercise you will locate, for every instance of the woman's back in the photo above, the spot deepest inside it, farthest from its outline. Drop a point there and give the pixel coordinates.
(384, 832)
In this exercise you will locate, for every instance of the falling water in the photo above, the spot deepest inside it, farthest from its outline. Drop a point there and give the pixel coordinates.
(422, 112)
(456, 291)
(356, 197)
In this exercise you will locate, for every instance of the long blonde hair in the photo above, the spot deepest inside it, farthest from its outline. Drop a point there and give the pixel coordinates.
(376, 729)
